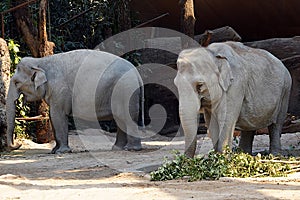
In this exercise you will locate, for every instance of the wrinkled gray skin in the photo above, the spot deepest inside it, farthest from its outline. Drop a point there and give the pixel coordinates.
(236, 87)
(67, 82)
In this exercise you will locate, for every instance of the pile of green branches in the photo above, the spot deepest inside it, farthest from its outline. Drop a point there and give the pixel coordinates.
(229, 164)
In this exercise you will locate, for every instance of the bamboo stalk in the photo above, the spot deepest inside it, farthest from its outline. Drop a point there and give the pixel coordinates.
(281, 161)
(293, 170)
(36, 118)
(259, 175)
(19, 6)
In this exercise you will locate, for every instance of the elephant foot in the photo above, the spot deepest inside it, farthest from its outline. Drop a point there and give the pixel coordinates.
(133, 144)
(133, 147)
(275, 152)
(60, 150)
(128, 144)
(127, 148)
(117, 148)
(13, 147)
(119, 144)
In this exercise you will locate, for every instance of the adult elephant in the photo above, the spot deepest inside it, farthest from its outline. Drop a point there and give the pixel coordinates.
(87, 84)
(236, 87)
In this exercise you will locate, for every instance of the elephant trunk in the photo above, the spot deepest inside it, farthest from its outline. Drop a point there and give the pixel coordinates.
(189, 122)
(12, 96)
(189, 105)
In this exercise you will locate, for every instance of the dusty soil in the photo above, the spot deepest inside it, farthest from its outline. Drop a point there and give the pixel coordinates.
(93, 171)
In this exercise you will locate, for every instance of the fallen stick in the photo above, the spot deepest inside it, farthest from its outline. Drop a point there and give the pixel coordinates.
(280, 161)
(36, 118)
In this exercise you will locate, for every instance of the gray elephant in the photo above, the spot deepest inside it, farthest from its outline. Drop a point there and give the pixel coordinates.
(236, 87)
(87, 84)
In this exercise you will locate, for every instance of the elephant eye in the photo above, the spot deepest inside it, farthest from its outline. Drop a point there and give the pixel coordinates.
(33, 76)
(198, 87)
(17, 83)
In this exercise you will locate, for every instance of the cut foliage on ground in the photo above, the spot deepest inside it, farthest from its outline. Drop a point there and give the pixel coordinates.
(229, 164)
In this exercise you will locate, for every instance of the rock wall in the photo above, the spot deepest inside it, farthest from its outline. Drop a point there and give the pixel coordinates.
(4, 83)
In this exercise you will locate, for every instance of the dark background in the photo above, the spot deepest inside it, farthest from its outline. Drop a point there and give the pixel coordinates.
(252, 19)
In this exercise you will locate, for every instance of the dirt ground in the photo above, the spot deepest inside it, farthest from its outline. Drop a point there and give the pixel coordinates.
(93, 171)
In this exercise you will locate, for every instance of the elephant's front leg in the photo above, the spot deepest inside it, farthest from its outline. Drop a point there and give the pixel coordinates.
(60, 126)
(227, 115)
(225, 137)
(222, 133)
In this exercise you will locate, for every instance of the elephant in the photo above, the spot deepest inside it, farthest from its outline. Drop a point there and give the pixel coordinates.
(236, 87)
(85, 84)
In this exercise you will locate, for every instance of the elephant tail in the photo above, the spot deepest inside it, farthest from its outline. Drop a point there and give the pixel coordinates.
(141, 120)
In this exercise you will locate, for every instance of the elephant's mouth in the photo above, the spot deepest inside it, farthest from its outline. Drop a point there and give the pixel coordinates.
(28, 98)
(24, 99)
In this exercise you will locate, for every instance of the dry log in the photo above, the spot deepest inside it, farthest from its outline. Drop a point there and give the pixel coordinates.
(293, 65)
(292, 128)
(280, 47)
(292, 62)
(36, 118)
(218, 35)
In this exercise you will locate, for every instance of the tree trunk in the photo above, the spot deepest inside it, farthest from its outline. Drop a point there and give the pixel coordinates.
(26, 28)
(124, 18)
(187, 17)
(37, 41)
(45, 47)
(35, 38)
(4, 83)
(222, 34)
(44, 132)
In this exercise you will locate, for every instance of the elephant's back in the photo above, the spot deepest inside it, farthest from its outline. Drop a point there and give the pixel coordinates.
(95, 82)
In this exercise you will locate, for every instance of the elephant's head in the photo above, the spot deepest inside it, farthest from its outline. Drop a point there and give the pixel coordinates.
(28, 80)
(203, 77)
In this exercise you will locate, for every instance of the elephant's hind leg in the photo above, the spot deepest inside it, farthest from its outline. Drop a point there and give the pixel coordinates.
(133, 143)
(276, 128)
(126, 141)
(274, 134)
(121, 140)
(246, 141)
(60, 125)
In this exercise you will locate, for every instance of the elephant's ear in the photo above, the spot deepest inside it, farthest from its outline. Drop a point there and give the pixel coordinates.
(225, 77)
(13, 93)
(38, 77)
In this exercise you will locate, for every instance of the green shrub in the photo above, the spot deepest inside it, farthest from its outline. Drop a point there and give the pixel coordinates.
(229, 164)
